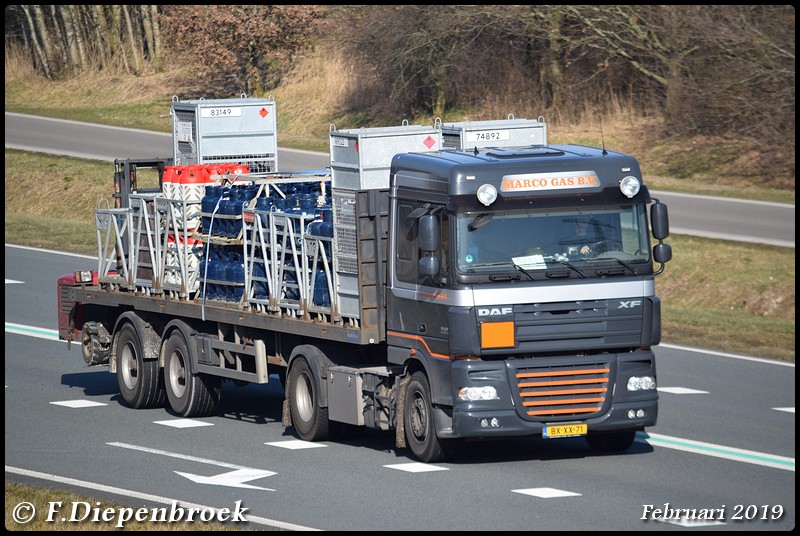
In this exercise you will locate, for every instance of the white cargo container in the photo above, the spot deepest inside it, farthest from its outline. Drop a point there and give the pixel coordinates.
(239, 131)
(468, 135)
(360, 158)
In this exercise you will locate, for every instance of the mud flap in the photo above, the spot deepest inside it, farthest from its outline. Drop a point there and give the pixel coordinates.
(286, 415)
(400, 426)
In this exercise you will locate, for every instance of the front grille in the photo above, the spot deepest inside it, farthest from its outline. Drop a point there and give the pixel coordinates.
(64, 302)
(563, 391)
(575, 326)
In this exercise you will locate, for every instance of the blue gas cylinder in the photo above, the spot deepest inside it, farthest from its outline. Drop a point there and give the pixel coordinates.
(322, 296)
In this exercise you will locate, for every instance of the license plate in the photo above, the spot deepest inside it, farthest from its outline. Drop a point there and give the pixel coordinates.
(565, 430)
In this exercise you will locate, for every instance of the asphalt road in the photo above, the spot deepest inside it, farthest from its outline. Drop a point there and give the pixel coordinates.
(710, 217)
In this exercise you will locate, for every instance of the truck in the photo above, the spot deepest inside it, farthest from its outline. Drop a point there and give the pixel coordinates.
(500, 287)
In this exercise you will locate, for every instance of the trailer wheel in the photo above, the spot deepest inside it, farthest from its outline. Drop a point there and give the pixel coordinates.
(189, 395)
(418, 422)
(611, 441)
(139, 380)
(310, 420)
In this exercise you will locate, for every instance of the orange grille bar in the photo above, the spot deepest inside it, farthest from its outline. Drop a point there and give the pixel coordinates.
(531, 403)
(566, 392)
(562, 411)
(562, 373)
(561, 382)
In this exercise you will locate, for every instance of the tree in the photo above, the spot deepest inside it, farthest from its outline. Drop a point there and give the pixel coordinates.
(66, 40)
(251, 45)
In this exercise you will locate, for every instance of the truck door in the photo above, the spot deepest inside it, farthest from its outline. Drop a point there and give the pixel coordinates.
(419, 274)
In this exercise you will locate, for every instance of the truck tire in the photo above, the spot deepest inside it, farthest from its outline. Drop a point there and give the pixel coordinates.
(309, 420)
(189, 395)
(419, 424)
(139, 380)
(611, 441)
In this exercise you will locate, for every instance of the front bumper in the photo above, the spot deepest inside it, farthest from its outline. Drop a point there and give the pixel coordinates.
(535, 393)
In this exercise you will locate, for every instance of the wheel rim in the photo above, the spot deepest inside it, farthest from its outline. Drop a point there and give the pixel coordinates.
(303, 397)
(128, 365)
(86, 346)
(419, 417)
(177, 374)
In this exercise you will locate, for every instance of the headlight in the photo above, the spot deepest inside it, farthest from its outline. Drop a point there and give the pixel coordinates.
(471, 394)
(629, 186)
(83, 276)
(641, 383)
(487, 194)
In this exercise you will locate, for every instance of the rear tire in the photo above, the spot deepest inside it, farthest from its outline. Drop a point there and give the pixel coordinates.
(309, 420)
(189, 395)
(139, 380)
(608, 442)
(419, 423)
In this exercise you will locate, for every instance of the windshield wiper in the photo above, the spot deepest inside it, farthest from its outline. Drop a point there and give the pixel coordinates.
(571, 267)
(489, 264)
(621, 262)
(495, 277)
(524, 271)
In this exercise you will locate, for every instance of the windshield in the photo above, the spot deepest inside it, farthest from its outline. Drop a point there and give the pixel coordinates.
(534, 239)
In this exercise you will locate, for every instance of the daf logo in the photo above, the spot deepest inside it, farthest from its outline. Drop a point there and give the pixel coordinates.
(629, 304)
(495, 311)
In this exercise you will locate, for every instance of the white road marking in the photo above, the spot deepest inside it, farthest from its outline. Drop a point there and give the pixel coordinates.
(416, 467)
(681, 391)
(296, 444)
(78, 403)
(546, 493)
(30, 331)
(183, 423)
(176, 455)
(233, 479)
(718, 451)
(702, 351)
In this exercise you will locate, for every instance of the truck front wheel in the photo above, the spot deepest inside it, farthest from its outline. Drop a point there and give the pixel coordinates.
(418, 422)
(310, 420)
(139, 380)
(190, 395)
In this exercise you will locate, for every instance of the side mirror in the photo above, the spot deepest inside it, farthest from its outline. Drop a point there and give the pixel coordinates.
(659, 220)
(662, 253)
(429, 266)
(429, 233)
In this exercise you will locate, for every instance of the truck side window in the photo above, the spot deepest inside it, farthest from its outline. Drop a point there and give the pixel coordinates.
(408, 252)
